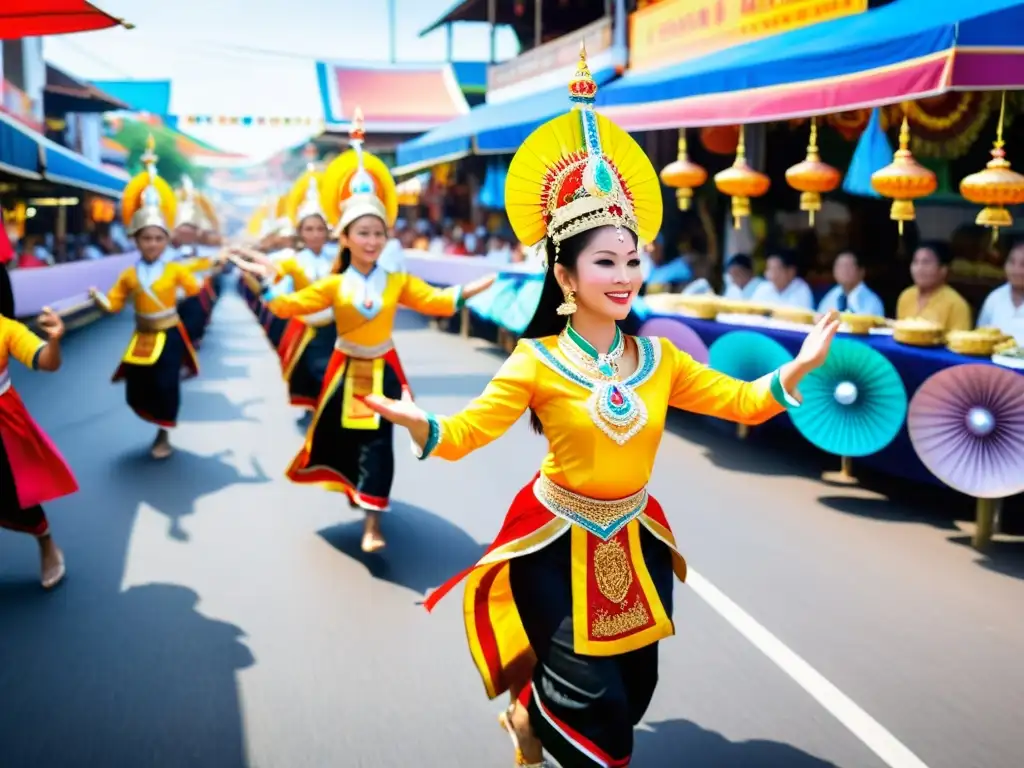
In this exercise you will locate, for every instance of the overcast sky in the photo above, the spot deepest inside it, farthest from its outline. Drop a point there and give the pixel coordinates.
(237, 57)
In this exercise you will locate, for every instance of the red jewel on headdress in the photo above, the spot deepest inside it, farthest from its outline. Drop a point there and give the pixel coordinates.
(615, 210)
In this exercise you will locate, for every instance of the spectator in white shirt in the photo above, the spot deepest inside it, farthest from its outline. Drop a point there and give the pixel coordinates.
(740, 280)
(850, 294)
(782, 286)
(1004, 307)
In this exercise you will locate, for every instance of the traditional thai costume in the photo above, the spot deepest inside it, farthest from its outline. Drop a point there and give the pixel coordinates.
(32, 471)
(348, 447)
(569, 602)
(195, 311)
(307, 342)
(160, 349)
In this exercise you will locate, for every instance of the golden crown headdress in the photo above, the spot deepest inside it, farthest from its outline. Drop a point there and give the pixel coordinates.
(148, 200)
(304, 197)
(358, 184)
(207, 213)
(188, 212)
(580, 171)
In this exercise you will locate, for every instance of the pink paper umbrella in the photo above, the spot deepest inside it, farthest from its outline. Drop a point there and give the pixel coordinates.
(680, 334)
(967, 427)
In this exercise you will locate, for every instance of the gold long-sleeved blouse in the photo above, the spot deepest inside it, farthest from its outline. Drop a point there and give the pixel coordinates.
(152, 287)
(587, 424)
(365, 306)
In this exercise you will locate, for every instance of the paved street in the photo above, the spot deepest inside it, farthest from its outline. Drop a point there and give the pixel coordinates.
(216, 616)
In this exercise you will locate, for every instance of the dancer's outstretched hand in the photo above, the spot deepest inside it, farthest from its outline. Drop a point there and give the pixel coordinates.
(404, 413)
(469, 290)
(818, 342)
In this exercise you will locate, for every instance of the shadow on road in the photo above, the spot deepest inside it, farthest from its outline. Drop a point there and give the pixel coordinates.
(424, 550)
(674, 743)
(138, 678)
(172, 487)
(1003, 557)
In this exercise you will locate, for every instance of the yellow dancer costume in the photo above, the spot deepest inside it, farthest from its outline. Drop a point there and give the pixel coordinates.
(580, 577)
(348, 447)
(307, 342)
(160, 347)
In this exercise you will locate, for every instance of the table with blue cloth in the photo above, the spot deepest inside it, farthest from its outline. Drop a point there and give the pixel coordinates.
(914, 365)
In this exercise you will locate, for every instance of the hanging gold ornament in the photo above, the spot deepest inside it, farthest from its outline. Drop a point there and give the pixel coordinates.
(741, 182)
(683, 174)
(996, 186)
(812, 178)
(903, 180)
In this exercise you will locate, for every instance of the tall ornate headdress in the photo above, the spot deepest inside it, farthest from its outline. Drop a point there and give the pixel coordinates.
(207, 213)
(188, 212)
(580, 171)
(304, 197)
(358, 184)
(148, 200)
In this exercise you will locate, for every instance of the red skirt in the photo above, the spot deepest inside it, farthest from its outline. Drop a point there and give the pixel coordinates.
(40, 472)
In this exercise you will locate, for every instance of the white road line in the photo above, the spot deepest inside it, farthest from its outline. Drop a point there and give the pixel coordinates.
(873, 735)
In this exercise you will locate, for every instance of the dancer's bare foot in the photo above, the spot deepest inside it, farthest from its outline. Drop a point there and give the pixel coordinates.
(529, 751)
(161, 446)
(51, 562)
(373, 539)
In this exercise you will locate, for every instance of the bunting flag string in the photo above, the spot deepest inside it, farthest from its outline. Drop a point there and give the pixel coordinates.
(260, 121)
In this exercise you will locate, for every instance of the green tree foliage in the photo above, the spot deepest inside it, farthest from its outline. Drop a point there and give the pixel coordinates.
(171, 165)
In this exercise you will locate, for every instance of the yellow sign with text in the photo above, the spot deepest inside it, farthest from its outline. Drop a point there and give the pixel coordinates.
(671, 31)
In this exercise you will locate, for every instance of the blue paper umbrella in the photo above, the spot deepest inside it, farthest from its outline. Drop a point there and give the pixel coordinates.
(853, 405)
(747, 355)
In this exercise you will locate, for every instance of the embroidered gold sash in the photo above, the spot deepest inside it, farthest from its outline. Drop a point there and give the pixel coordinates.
(362, 378)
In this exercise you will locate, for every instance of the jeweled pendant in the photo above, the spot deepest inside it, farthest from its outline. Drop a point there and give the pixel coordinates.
(616, 397)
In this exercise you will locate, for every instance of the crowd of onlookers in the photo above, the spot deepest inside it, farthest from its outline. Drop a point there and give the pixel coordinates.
(929, 297)
(34, 251)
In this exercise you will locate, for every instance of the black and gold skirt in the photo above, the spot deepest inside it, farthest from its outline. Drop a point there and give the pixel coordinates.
(348, 447)
(152, 368)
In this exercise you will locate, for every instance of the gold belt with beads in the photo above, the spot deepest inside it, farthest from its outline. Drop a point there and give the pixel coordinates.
(603, 518)
(156, 322)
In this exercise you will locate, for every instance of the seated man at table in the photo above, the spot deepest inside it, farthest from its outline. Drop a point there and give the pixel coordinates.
(850, 294)
(1004, 307)
(741, 282)
(782, 286)
(930, 297)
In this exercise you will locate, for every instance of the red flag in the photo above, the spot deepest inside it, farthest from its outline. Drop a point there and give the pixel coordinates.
(36, 18)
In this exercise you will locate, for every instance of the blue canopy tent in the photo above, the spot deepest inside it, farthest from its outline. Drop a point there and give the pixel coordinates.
(909, 49)
(487, 129)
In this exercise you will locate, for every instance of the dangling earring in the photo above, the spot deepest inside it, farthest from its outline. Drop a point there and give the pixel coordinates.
(567, 307)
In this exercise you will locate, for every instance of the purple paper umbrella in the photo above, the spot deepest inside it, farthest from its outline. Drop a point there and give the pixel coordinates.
(680, 334)
(967, 426)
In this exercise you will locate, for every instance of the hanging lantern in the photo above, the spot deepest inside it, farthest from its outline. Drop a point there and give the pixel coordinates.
(741, 182)
(683, 174)
(812, 178)
(996, 186)
(903, 180)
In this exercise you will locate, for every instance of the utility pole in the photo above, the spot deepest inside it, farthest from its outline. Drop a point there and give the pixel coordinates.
(392, 31)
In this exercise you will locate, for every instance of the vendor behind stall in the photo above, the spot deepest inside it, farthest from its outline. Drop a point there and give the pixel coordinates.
(741, 282)
(851, 293)
(1004, 307)
(931, 297)
(782, 286)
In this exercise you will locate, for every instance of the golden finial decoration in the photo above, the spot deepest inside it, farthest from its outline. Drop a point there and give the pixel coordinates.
(741, 182)
(996, 186)
(582, 87)
(683, 174)
(903, 180)
(357, 130)
(812, 177)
